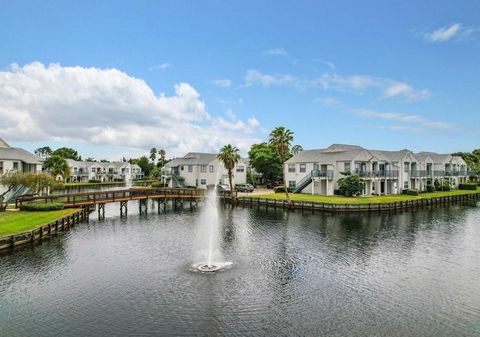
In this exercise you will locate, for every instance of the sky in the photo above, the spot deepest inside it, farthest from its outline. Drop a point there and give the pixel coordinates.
(115, 78)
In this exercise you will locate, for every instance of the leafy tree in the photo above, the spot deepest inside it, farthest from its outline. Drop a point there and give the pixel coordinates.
(264, 159)
(229, 155)
(296, 149)
(57, 165)
(43, 152)
(144, 164)
(153, 154)
(90, 159)
(351, 185)
(281, 138)
(67, 153)
(154, 173)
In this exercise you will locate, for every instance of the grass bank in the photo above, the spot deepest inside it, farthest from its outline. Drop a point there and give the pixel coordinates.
(18, 222)
(360, 200)
(104, 183)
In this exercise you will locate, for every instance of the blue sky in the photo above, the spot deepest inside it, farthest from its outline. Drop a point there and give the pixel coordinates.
(382, 74)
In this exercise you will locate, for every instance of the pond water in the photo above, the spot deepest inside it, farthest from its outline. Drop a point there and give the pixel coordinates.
(407, 274)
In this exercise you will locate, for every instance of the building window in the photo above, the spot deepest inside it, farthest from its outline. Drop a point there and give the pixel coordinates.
(1, 167)
(210, 168)
(346, 167)
(405, 185)
(316, 167)
(303, 168)
(15, 165)
(291, 183)
(181, 168)
(203, 181)
(291, 168)
(190, 168)
(406, 167)
(203, 168)
(240, 169)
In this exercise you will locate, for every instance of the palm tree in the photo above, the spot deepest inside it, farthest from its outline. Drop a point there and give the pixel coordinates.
(229, 155)
(296, 149)
(153, 154)
(162, 154)
(58, 166)
(281, 139)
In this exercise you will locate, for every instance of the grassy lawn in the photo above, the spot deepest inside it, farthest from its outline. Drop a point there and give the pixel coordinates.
(93, 184)
(18, 222)
(360, 200)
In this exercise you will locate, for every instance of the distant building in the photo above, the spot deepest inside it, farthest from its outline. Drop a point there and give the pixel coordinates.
(384, 172)
(202, 170)
(84, 171)
(17, 159)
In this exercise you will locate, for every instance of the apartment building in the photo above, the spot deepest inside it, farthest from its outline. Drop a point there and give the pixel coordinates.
(83, 171)
(17, 159)
(384, 172)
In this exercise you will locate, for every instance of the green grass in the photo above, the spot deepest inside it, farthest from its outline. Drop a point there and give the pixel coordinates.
(359, 200)
(93, 184)
(18, 222)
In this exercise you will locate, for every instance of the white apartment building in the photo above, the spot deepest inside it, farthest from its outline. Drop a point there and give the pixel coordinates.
(384, 172)
(83, 171)
(16, 159)
(202, 170)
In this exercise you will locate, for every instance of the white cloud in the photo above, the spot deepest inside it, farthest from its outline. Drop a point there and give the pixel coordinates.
(353, 83)
(223, 82)
(449, 32)
(275, 52)
(410, 122)
(159, 66)
(108, 107)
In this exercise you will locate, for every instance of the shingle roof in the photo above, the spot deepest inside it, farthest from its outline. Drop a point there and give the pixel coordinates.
(193, 158)
(13, 153)
(333, 153)
(437, 157)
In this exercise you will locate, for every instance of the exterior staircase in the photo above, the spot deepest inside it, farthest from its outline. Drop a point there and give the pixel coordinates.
(307, 180)
(177, 181)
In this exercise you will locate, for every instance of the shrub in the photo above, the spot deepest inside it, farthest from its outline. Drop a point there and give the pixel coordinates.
(41, 206)
(158, 184)
(351, 185)
(279, 189)
(472, 187)
(93, 181)
(410, 192)
(430, 188)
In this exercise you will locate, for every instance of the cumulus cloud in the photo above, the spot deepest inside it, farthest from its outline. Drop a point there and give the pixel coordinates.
(331, 81)
(108, 107)
(449, 32)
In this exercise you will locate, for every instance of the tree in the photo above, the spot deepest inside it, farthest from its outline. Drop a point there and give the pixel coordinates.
(281, 138)
(153, 154)
(90, 159)
(229, 155)
(161, 158)
(264, 159)
(296, 149)
(351, 185)
(10, 180)
(43, 152)
(67, 153)
(144, 164)
(57, 165)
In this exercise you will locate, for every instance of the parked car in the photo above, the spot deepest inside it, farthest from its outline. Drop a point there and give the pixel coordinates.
(223, 188)
(244, 188)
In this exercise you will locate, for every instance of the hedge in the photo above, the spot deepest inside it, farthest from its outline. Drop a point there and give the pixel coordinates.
(41, 206)
(410, 192)
(279, 189)
(472, 187)
(430, 188)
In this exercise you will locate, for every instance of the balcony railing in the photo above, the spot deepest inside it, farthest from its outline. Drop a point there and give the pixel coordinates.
(378, 173)
(421, 173)
(449, 173)
(322, 173)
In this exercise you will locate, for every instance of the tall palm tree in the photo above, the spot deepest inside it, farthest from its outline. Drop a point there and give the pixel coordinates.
(161, 157)
(296, 149)
(153, 154)
(281, 139)
(58, 166)
(229, 155)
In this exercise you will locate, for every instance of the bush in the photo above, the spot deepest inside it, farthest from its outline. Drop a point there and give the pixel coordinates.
(472, 187)
(410, 192)
(430, 188)
(158, 184)
(350, 185)
(41, 206)
(93, 181)
(279, 189)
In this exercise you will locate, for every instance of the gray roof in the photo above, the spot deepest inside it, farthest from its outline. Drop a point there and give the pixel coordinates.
(13, 153)
(436, 157)
(193, 158)
(333, 153)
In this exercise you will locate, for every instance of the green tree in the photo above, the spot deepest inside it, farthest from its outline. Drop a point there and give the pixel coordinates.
(229, 155)
(90, 159)
(153, 154)
(161, 157)
(43, 152)
(264, 159)
(281, 138)
(57, 165)
(67, 153)
(144, 164)
(296, 149)
(351, 185)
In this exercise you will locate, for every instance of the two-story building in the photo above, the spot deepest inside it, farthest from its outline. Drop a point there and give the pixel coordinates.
(84, 171)
(202, 170)
(17, 159)
(384, 172)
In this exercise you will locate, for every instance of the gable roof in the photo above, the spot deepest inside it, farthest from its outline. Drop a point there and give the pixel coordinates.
(193, 158)
(13, 153)
(3, 144)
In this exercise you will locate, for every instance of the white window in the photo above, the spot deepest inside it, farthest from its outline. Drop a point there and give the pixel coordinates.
(291, 168)
(210, 169)
(291, 184)
(203, 168)
(190, 168)
(406, 167)
(303, 168)
(240, 169)
(405, 185)
(203, 181)
(15, 165)
(346, 167)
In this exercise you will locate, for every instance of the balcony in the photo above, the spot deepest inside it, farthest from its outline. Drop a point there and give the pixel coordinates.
(322, 174)
(421, 173)
(377, 174)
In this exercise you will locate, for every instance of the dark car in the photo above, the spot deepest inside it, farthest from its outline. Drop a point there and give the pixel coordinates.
(244, 188)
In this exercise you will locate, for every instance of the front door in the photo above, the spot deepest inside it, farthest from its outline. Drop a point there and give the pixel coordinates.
(382, 187)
